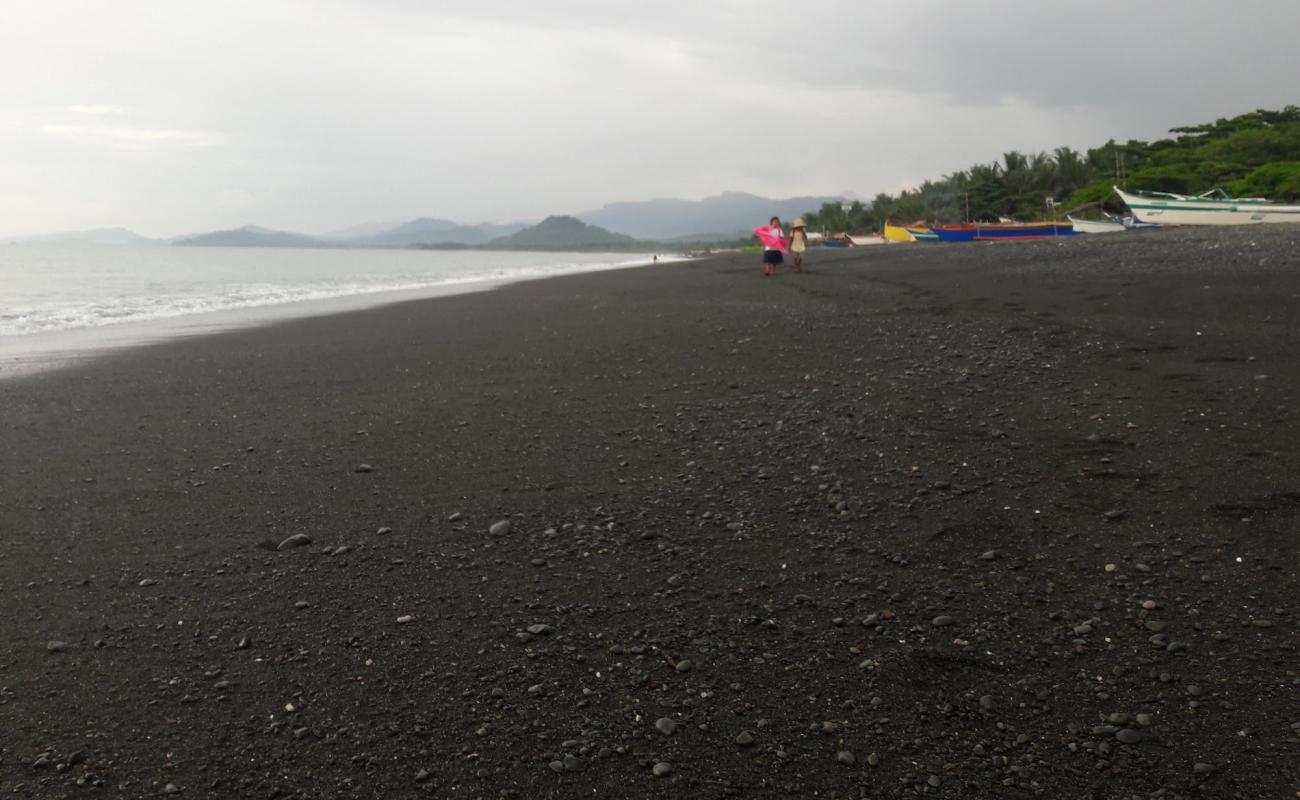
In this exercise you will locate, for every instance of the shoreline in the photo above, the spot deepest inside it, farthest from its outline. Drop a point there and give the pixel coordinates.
(989, 521)
(29, 354)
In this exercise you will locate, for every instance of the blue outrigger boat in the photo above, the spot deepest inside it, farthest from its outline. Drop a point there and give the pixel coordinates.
(1003, 231)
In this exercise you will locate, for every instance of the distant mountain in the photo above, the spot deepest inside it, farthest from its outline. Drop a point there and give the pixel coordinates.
(724, 216)
(435, 231)
(564, 233)
(98, 236)
(251, 236)
(358, 231)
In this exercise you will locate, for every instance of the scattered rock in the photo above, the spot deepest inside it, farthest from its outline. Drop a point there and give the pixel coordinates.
(665, 726)
(662, 769)
(846, 757)
(500, 528)
(297, 540)
(1129, 736)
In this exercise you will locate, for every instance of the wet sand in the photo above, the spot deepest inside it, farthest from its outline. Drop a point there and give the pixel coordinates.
(1012, 520)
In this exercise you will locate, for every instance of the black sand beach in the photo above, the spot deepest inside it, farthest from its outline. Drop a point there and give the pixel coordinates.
(1009, 521)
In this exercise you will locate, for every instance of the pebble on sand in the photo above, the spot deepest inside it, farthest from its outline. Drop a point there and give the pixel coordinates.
(1129, 736)
(500, 528)
(297, 540)
(662, 769)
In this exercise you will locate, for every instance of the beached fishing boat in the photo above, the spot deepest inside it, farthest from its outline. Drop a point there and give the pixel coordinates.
(1003, 231)
(1022, 230)
(1111, 225)
(864, 241)
(921, 233)
(897, 233)
(1097, 225)
(954, 233)
(1212, 208)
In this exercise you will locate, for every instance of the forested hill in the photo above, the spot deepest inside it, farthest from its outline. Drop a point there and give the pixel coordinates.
(1253, 155)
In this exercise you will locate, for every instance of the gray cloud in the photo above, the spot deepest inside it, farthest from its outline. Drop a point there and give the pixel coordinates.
(176, 116)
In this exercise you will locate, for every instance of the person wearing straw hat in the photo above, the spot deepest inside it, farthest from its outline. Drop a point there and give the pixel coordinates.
(798, 242)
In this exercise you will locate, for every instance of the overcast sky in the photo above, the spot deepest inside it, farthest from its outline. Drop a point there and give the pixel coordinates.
(174, 116)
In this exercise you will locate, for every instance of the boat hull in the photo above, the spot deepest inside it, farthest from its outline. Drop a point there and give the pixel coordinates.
(922, 234)
(897, 233)
(1175, 209)
(1090, 226)
(1001, 232)
(954, 233)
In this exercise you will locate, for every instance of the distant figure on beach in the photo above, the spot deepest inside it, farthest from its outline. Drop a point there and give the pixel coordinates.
(774, 244)
(656, 258)
(798, 242)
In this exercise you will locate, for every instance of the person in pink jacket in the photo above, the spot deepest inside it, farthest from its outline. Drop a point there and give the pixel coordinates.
(774, 245)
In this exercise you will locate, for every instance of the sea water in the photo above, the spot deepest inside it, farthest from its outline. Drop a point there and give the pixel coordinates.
(62, 301)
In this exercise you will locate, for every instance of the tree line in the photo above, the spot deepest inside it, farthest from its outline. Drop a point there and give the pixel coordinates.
(1252, 155)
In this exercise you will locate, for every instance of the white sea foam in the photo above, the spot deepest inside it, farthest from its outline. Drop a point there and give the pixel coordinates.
(63, 289)
(58, 305)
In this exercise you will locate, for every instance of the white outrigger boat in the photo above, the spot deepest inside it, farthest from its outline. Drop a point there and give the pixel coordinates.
(1109, 225)
(1212, 208)
(1097, 225)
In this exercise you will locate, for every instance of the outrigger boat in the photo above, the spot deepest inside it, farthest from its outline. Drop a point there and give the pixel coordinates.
(1097, 225)
(897, 233)
(922, 233)
(1110, 225)
(865, 241)
(1003, 231)
(1215, 207)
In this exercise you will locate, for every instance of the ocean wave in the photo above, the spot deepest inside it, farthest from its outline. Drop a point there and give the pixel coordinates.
(52, 316)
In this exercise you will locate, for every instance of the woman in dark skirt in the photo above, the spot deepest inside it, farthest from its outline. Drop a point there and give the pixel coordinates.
(772, 257)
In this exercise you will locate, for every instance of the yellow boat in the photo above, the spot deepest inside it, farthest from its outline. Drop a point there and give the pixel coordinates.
(897, 233)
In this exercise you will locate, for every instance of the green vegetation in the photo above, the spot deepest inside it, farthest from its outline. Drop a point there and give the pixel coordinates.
(1253, 155)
